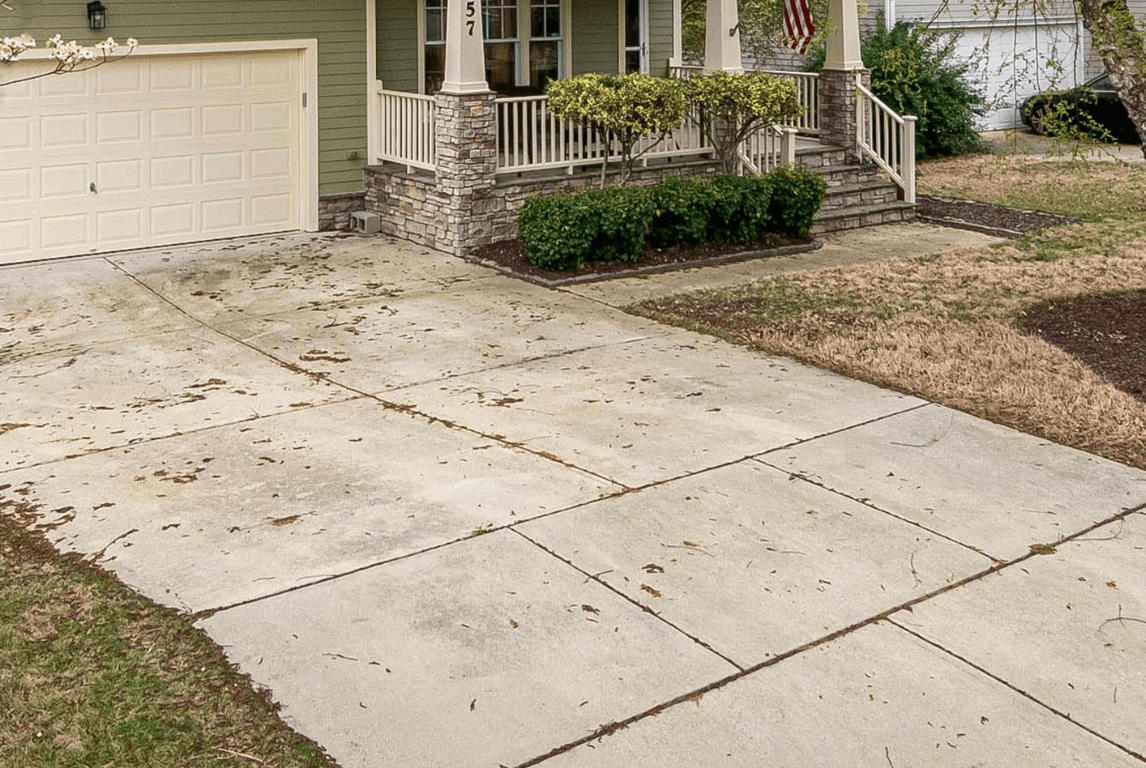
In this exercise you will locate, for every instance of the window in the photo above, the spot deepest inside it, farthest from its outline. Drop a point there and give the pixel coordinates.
(434, 57)
(501, 44)
(545, 54)
(513, 59)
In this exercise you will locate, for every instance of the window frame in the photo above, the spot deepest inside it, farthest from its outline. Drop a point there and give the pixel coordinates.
(524, 25)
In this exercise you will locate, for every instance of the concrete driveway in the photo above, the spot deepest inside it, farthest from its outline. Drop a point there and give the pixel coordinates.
(451, 519)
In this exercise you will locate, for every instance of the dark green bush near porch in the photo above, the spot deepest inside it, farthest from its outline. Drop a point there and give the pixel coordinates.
(683, 208)
(566, 230)
(739, 208)
(797, 194)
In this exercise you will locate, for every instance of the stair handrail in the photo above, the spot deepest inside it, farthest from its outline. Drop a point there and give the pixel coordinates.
(886, 138)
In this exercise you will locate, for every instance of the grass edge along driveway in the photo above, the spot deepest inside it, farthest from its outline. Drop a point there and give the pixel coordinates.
(948, 327)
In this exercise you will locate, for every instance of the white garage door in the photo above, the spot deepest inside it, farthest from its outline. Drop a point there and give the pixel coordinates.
(150, 150)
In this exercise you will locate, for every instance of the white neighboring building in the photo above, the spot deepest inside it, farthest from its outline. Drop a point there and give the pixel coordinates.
(1012, 56)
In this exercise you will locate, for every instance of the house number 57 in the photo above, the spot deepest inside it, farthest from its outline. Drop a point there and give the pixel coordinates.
(470, 12)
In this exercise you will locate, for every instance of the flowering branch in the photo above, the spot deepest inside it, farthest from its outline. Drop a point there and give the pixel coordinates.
(69, 56)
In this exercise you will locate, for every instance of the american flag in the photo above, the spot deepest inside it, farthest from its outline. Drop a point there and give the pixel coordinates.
(798, 25)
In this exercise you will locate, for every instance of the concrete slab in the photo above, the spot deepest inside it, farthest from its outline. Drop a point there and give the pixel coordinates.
(379, 344)
(877, 697)
(487, 652)
(256, 276)
(753, 563)
(857, 246)
(225, 515)
(657, 408)
(1054, 629)
(121, 392)
(986, 486)
(65, 306)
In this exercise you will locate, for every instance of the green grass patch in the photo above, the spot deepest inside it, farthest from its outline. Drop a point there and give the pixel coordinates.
(92, 674)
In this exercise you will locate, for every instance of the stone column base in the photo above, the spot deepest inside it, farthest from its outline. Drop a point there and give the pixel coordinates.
(838, 107)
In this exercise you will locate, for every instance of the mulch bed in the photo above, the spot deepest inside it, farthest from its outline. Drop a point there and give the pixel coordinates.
(1107, 333)
(983, 217)
(510, 257)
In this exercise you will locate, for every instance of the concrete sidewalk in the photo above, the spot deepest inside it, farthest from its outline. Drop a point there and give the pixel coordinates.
(453, 519)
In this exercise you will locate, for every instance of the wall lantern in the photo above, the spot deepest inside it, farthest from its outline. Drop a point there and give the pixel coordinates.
(97, 15)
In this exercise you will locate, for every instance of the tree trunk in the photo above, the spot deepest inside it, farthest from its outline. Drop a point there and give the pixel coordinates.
(1123, 50)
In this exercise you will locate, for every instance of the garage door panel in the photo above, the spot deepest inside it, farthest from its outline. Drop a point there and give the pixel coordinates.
(15, 237)
(222, 167)
(15, 133)
(120, 176)
(16, 185)
(272, 163)
(61, 86)
(64, 130)
(114, 227)
(222, 72)
(271, 116)
(64, 181)
(222, 120)
(223, 215)
(66, 231)
(151, 151)
(127, 76)
(172, 123)
(271, 210)
(173, 171)
(172, 220)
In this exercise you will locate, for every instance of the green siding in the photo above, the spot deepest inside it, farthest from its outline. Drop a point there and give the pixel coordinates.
(338, 25)
(660, 36)
(398, 44)
(596, 45)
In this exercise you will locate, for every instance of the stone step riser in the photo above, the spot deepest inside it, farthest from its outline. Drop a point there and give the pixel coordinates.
(835, 221)
(864, 196)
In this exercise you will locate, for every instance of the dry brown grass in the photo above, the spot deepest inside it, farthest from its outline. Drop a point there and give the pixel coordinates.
(947, 328)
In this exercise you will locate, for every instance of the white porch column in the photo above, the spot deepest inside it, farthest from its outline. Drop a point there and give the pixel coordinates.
(844, 40)
(465, 49)
(722, 37)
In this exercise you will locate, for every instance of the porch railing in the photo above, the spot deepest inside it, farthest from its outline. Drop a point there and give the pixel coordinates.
(887, 138)
(406, 121)
(807, 90)
(769, 148)
(530, 138)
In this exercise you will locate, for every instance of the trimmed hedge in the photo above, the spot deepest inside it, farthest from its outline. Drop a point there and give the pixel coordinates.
(564, 231)
(797, 194)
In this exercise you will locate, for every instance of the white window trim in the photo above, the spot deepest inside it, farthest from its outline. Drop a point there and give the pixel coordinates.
(645, 32)
(308, 84)
(523, 24)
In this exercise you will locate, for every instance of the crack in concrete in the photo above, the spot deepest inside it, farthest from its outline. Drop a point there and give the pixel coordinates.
(401, 407)
(595, 577)
(610, 728)
(1053, 710)
(868, 503)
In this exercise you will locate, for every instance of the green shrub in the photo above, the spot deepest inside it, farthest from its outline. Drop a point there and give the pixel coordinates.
(797, 194)
(624, 216)
(915, 71)
(558, 231)
(740, 206)
(564, 231)
(682, 210)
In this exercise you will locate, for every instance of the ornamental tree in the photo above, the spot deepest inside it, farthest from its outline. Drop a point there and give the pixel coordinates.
(621, 108)
(732, 107)
(68, 56)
